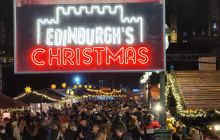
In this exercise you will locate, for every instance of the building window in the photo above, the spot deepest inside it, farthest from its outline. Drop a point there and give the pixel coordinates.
(214, 26)
(173, 36)
(203, 33)
(194, 33)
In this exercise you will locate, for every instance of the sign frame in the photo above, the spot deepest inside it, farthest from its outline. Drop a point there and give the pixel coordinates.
(90, 71)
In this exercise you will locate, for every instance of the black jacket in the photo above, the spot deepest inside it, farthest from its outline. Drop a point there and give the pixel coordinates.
(70, 135)
(42, 134)
(135, 133)
(127, 136)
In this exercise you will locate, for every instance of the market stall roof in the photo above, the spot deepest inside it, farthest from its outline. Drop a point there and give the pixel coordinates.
(39, 96)
(9, 103)
(200, 89)
(57, 92)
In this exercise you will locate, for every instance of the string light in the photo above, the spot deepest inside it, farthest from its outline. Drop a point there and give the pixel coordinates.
(15, 109)
(38, 94)
(92, 96)
(114, 91)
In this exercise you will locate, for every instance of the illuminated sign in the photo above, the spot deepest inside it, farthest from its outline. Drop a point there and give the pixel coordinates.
(94, 36)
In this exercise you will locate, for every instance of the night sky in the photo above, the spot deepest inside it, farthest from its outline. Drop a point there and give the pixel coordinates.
(195, 17)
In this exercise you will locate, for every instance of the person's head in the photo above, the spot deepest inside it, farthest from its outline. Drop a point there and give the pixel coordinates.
(96, 128)
(83, 122)
(193, 131)
(133, 122)
(72, 126)
(2, 129)
(63, 128)
(14, 124)
(149, 119)
(120, 130)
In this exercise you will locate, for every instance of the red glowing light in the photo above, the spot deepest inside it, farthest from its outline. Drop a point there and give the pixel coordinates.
(72, 56)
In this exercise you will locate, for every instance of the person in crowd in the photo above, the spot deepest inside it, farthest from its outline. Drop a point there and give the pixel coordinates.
(83, 129)
(134, 129)
(8, 128)
(61, 132)
(93, 134)
(40, 131)
(194, 134)
(2, 133)
(16, 131)
(54, 132)
(23, 128)
(122, 133)
(63, 118)
(71, 132)
(149, 126)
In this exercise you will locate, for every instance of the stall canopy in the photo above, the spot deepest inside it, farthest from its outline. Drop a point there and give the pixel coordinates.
(39, 96)
(9, 103)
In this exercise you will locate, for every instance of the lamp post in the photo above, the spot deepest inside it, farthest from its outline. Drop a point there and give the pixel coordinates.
(163, 133)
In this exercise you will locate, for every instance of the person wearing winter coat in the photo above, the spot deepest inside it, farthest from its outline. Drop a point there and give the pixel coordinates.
(71, 132)
(54, 132)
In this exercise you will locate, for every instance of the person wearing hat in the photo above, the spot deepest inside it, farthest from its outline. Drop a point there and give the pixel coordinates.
(16, 131)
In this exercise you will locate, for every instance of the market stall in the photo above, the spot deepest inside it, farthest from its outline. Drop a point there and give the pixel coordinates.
(40, 100)
(9, 105)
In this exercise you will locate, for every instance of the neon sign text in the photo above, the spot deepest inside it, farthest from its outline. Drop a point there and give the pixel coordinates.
(70, 56)
(88, 36)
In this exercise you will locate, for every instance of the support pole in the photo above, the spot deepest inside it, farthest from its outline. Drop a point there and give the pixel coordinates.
(163, 133)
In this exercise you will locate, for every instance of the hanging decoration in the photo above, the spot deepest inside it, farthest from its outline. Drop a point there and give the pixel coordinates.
(53, 86)
(63, 85)
(27, 89)
(75, 86)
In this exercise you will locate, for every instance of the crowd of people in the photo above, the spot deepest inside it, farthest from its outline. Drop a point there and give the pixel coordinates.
(93, 120)
(182, 132)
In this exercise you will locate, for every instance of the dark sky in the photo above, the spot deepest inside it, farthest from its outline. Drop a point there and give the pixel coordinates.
(191, 13)
(14, 83)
